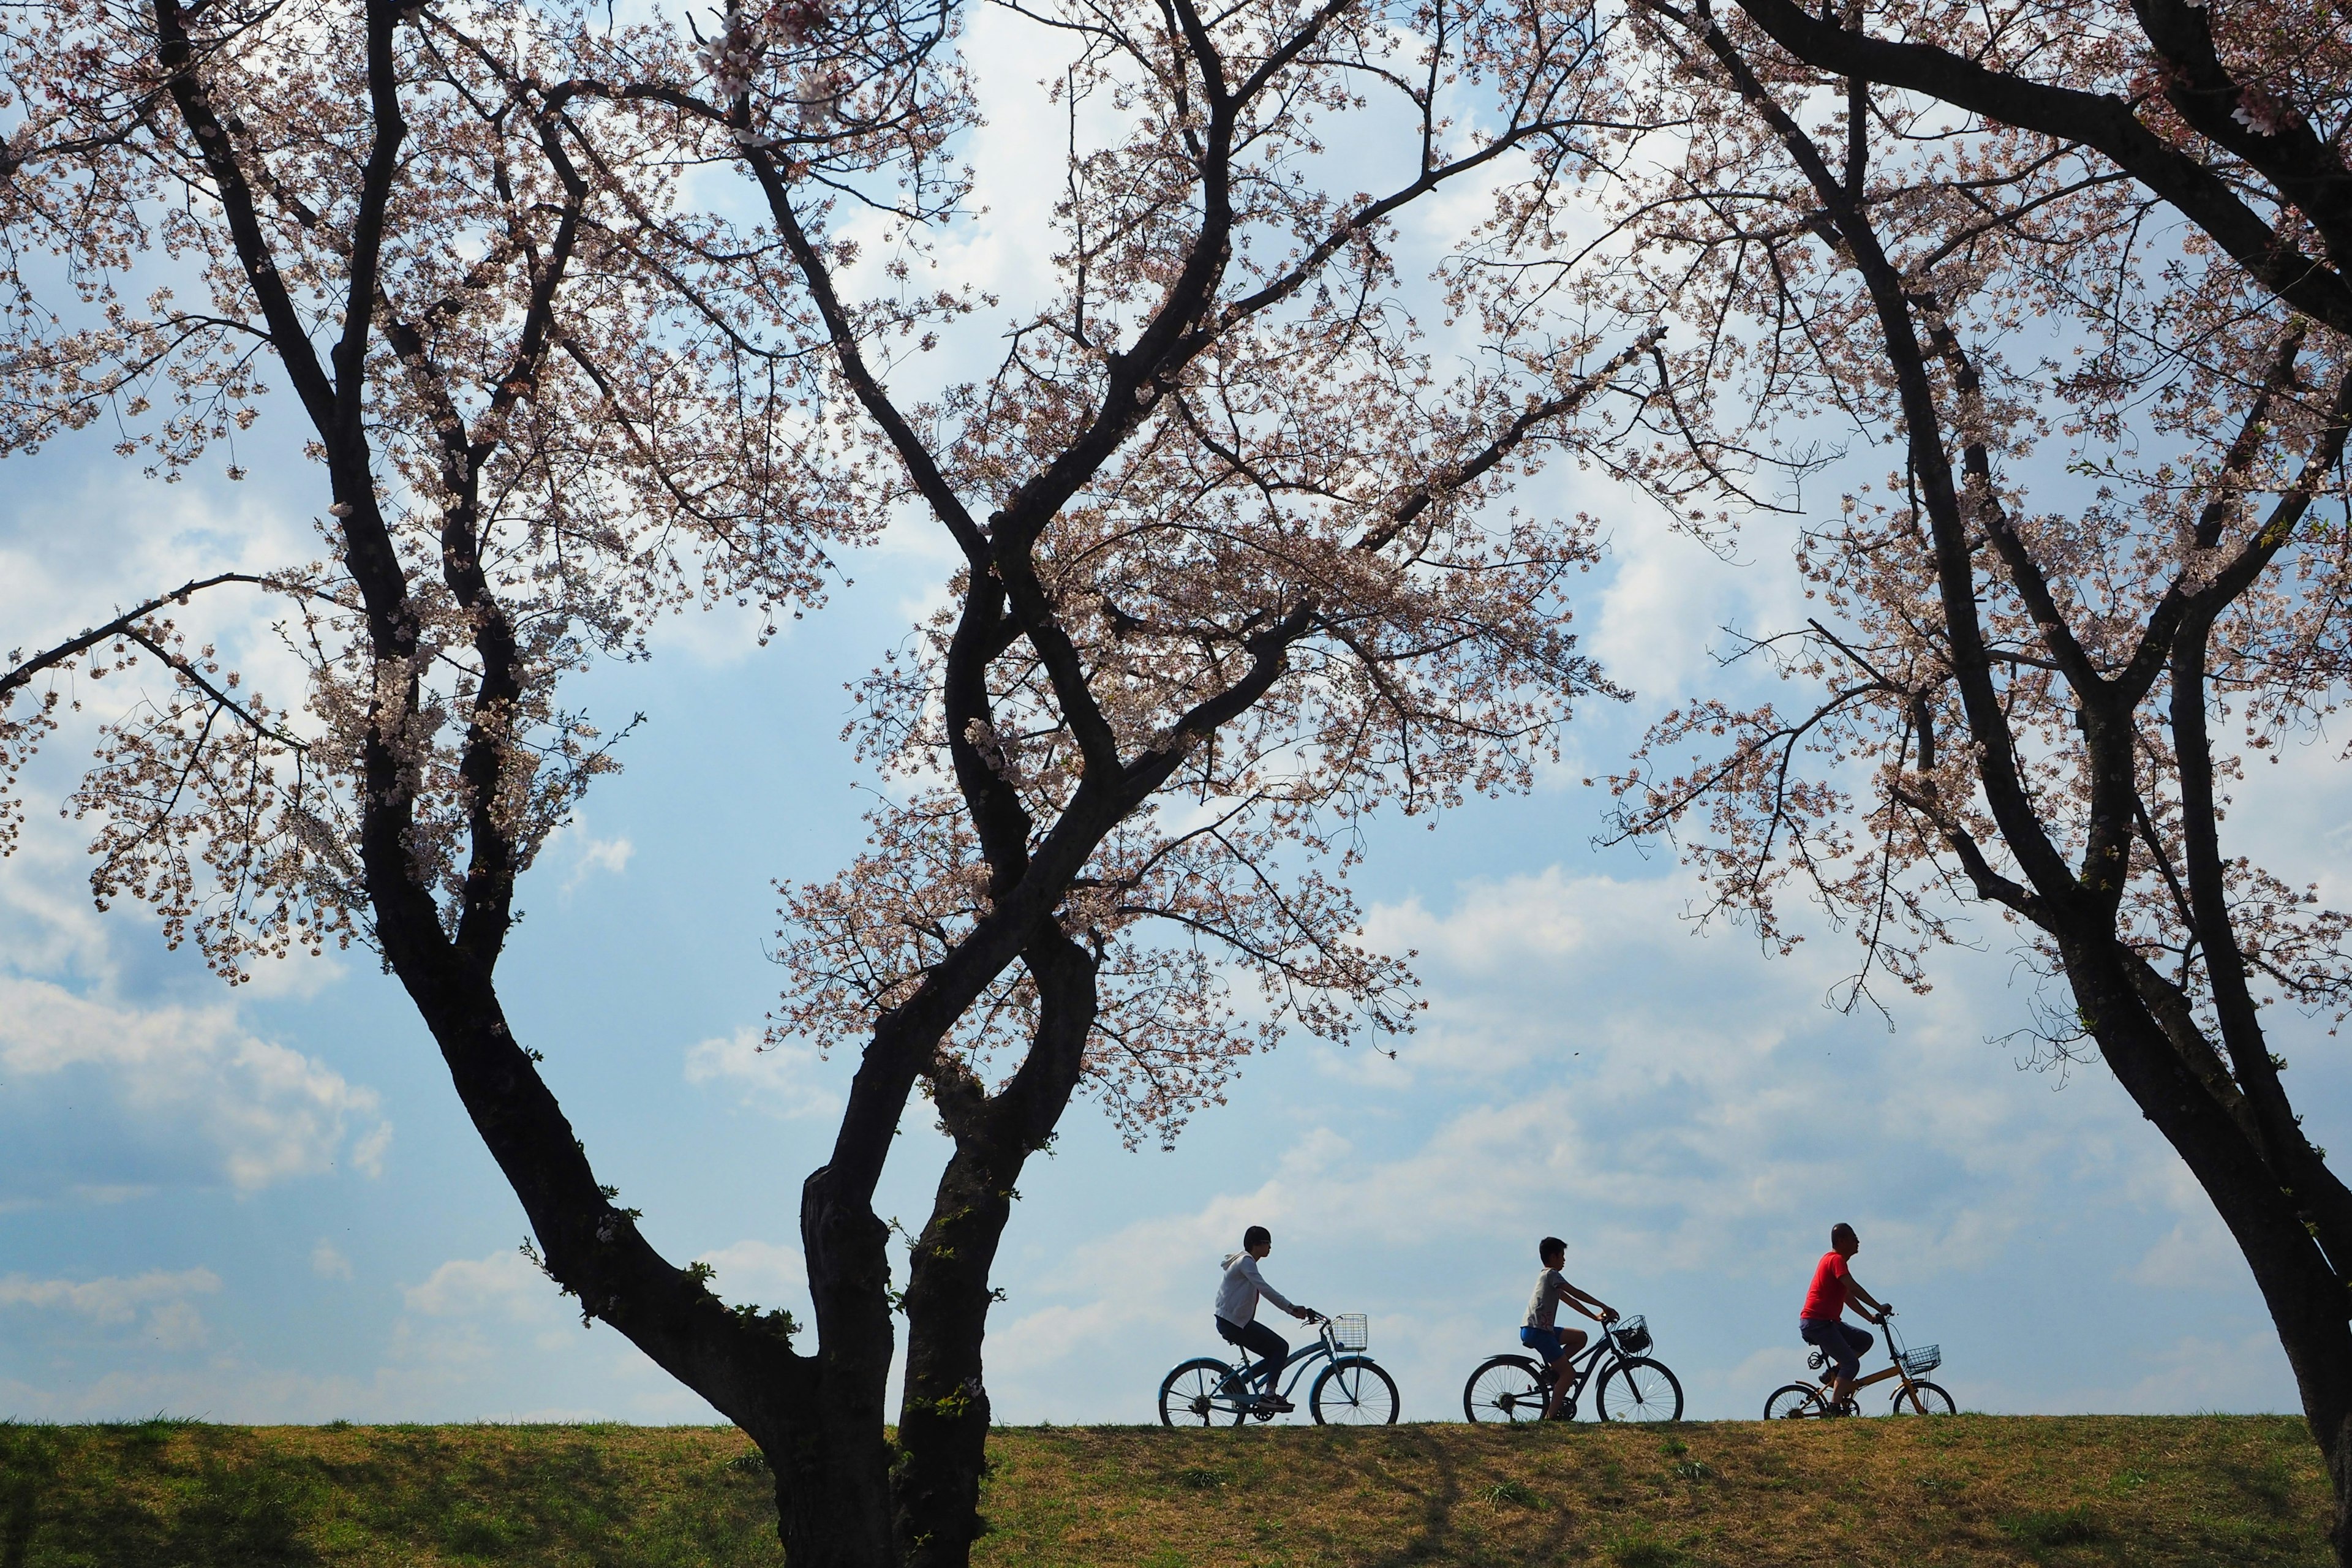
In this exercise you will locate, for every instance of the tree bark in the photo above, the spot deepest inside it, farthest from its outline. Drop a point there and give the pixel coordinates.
(944, 1418)
(2306, 1300)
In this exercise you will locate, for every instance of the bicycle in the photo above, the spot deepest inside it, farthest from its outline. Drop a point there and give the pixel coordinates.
(1914, 1394)
(1632, 1387)
(1352, 1392)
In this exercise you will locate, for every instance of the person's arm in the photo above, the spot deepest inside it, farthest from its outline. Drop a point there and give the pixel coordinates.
(1853, 1290)
(1599, 1310)
(1275, 1296)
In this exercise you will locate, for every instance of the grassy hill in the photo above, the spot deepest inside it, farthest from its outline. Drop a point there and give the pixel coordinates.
(1967, 1489)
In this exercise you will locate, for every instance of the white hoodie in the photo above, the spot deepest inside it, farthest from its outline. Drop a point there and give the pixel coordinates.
(1238, 1292)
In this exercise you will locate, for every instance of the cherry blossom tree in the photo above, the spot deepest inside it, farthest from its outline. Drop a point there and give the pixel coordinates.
(1238, 563)
(2084, 271)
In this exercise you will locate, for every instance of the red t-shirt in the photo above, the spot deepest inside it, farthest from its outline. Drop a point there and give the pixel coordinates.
(1827, 1297)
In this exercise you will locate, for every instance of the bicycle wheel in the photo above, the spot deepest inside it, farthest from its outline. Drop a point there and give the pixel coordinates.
(1639, 1389)
(1795, 1399)
(1504, 1388)
(1195, 1394)
(1922, 1399)
(1352, 1392)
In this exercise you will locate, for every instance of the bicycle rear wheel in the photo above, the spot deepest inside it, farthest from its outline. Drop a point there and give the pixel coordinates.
(1196, 1395)
(1795, 1399)
(1922, 1399)
(1639, 1389)
(1352, 1392)
(1504, 1388)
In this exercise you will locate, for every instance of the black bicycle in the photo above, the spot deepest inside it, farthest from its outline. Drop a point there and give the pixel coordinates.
(1353, 1390)
(1632, 1387)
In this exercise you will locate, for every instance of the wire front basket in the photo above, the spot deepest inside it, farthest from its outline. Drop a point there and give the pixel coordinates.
(1351, 1331)
(1921, 1360)
(1633, 1335)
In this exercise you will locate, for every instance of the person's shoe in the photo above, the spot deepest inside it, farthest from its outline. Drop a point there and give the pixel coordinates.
(1275, 1403)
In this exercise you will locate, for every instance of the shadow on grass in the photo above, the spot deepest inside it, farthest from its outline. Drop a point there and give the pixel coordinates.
(1438, 1497)
(173, 1495)
(132, 1506)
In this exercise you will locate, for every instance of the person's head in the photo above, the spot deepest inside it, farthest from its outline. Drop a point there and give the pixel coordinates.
(1552, 1250)
(1842, 1241)
(1257, 1241)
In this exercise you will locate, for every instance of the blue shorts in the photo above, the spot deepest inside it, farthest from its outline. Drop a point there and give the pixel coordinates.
(1548, 1343)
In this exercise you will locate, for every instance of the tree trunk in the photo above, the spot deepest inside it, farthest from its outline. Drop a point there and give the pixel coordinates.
(818, 1419)
(832, 1508)
(943, 1421)
(2308, 1303)
(838, 1467)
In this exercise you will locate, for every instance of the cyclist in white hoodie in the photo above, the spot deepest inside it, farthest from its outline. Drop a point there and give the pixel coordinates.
(1237, 1299)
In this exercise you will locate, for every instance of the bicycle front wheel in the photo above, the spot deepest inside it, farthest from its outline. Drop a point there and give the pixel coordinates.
(1922, 1399)
(1795, 1399)
(1196, 1395)
(1504, 1388)
(1352, 1392)
(1640, 1389)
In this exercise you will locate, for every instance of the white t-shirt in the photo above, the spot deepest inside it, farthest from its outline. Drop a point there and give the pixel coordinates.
(1238, 1291)
(1543, 1307)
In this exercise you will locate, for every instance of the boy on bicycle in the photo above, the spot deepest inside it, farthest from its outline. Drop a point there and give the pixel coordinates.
(1557, 1346)
(1820, 1323)
(1237, 1324)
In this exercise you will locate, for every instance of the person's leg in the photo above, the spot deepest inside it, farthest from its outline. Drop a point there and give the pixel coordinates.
(1563, 1370)
(1830, 1338)
(1273, 1349)
(1852, 1342)
(1552, 1346)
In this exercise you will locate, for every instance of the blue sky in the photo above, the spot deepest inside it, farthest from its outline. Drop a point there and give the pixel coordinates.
(266, 1205)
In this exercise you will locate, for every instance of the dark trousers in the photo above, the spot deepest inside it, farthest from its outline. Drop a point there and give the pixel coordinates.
(1259, 1340)
(1841, 1342)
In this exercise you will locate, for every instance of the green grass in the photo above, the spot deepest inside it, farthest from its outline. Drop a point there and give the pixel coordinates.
(2187, 1490)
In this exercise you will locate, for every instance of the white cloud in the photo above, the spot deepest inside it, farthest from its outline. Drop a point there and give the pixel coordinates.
(172, 1321)
(108, 1300)
(267, 1113)
(177, 1326)
(328, 1262)
(589, 855)
(760, 1273)
(785, 1081)
(101, 1195)
(503, 1285)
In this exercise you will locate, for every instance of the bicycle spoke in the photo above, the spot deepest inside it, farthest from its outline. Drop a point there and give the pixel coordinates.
(1640, 1389)
(1354, 1392)
(1201, 1394)
(1505, 1388)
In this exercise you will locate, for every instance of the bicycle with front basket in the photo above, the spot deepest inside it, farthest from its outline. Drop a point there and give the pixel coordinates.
(1352, 1391)
(1632, 1387)
(1914, 1394)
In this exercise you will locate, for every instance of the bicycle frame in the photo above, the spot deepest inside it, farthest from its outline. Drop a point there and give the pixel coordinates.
(1585, 1363)
(1893, 1343)
(1292, 1368)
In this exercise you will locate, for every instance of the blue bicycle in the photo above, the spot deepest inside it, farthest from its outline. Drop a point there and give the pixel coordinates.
(1352, 1391)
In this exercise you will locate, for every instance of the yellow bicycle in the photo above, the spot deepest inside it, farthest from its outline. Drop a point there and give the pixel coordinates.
(1914, 1394)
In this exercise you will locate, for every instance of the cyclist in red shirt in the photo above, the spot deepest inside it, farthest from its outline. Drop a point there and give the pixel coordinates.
(1821, 1324)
